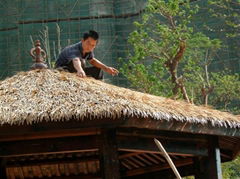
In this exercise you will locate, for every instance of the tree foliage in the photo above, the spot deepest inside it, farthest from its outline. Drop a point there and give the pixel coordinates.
(231, 169)
(171, 58)
(227, 11)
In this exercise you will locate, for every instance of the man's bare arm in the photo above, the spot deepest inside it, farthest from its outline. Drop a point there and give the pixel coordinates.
(98, 64)
(78, 67)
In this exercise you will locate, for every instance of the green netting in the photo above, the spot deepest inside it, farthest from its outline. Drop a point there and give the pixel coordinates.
(22, 19)
(228, 57)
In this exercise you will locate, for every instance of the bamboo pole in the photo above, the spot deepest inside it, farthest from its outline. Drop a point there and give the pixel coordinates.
(169, 160)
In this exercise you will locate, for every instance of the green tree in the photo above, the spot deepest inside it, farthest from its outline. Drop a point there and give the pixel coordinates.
(159, 45)
(231, 169)
(227, 11)
(170, 58)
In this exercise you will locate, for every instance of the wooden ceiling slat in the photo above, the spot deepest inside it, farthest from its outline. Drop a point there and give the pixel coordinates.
(158, 157)
(40, 174)
(43, 170)
(133, 165)
(16, 163)
(16, 172)
(61, 169)
(78, 168)
(143, 159)
(20, 172)
(129, 155)
(96, 169)
(53, 170)
(81, 167)
(10, 174)
(136, 161)
(126, 165)
(25, 171)
(30, 171)
(73, 168)
(150, 158)
(155, 168)
(85, 170)
(57, 170)
(66, 169)
(91, 167)
(47, 170)
(36, 171)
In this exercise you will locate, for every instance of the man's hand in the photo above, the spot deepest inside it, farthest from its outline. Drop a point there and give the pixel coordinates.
(78, 67)
(112, 71)
(81, 73)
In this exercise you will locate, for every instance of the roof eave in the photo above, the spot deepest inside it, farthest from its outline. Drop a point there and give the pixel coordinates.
(173, 125)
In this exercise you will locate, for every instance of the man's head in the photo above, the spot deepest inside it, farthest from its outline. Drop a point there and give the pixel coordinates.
(89, 41)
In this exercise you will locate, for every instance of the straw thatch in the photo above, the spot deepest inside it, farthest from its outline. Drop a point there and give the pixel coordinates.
(46, 95)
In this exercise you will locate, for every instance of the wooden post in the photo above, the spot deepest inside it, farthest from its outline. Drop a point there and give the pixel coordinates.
(3, 172)
(200, 167)
(109, 162)
(215, 171)
(209, 167)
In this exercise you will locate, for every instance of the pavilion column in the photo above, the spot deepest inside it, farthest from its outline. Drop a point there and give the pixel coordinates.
(209, 167)
(200, 167)
(3, 172)
(108, 152)
(215, 170)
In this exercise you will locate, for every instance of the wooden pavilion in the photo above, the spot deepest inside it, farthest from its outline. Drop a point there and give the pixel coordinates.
(56, 125)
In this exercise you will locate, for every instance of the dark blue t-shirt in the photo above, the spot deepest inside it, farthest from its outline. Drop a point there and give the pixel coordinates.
(71, 52)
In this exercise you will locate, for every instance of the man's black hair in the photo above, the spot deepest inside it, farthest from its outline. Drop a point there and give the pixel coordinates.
(93, 34)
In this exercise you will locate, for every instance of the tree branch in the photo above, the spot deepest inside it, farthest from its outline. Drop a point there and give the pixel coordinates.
(172, 65)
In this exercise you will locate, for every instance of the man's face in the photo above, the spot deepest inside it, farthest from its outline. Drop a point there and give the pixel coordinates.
(89, 44)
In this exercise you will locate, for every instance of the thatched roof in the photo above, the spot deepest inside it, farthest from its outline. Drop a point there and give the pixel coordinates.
(47, 95)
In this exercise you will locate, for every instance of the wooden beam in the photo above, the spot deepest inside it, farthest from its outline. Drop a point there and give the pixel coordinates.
(141, 144)
(159, 167)
(173, 125)
(109, 162)
(19, 135)
(215, 171)
(54, 129)
(89, 143)
(162, 134)
(36, 162)
(186, 170)
(48, 146)
(80, 176)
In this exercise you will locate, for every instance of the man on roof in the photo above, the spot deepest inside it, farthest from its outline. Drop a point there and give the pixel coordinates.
(72, 58)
